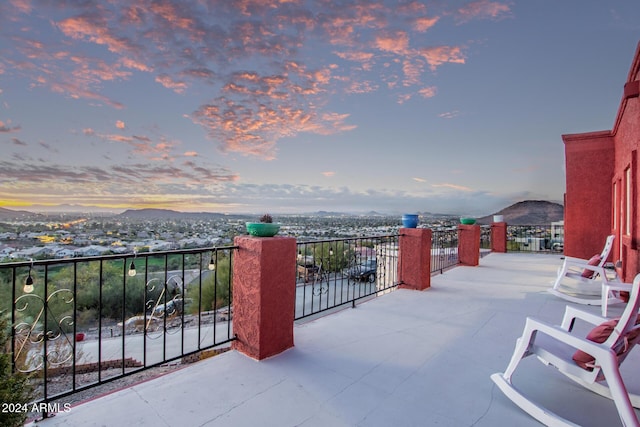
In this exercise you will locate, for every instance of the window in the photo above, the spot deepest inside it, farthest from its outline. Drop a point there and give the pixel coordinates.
(628, 201)
(615, 206)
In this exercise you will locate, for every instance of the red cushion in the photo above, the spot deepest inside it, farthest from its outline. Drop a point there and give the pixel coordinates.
(600, 334)
(594, 260)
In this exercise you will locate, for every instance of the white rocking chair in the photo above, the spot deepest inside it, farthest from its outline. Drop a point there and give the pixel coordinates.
(557, 345)
(592, 286)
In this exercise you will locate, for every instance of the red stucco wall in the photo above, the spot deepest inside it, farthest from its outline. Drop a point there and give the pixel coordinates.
(594, 162)
(264, 277)
(414, 253)
(589, 168)
(469, 244)
(499, 237)
(627, 140)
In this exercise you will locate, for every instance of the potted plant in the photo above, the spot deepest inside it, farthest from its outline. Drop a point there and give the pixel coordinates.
(265, 228)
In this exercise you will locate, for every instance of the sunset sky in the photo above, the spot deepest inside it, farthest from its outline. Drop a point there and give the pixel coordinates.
(289, 106)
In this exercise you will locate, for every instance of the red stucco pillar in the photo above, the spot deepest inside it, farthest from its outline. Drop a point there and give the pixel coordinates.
(499, 237)
(414, 255)
(469, 244)
(264, 294)
(589, 165)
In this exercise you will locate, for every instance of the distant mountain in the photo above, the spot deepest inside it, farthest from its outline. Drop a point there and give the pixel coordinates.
(328, 213)
(11, 214)
(74, 209)
(166, 214)
(529, 212)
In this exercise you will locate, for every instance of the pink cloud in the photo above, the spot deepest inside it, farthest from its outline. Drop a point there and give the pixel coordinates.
(94, 29)
(436, 56)
(362, 87)
(452, 187)
(267, 84)
(428, 92)
(412, 71)
(404, 98)
(355, 56)
(449, 114)
(172, 13)
(482, 9)
(135, 65)
(169, 83)
(424, 23)
(5, 128)
(120, 124)
(396, 42)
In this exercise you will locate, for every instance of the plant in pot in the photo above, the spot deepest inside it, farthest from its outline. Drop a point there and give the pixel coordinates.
(265, 228)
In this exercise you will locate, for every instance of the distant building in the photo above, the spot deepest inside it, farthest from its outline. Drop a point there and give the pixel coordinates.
(5, 251)
(602, 184)
(92, 250)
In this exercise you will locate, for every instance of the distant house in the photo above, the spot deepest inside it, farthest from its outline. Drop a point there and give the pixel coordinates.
(34, 252)
(92, 250)
(5, 250)
(603, 178)
(159, 245)
(65, 253)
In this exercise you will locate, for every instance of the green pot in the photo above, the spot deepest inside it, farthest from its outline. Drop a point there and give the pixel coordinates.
(262, 229)
(467, 221)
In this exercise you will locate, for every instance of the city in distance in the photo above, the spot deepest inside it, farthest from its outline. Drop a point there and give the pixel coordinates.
(26, 235)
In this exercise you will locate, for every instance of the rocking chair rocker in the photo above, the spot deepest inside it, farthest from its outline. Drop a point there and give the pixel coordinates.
(583, 360)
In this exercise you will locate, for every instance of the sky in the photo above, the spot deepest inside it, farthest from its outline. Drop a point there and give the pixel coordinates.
(296, 106)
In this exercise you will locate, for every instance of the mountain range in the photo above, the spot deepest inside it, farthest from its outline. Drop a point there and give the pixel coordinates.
(528, 212)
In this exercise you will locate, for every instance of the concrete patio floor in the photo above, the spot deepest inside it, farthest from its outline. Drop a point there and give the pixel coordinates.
(407, 358)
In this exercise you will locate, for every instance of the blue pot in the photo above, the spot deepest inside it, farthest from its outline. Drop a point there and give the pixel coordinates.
(409, 221)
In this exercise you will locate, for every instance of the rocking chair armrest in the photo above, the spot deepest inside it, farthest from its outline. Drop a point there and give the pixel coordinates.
(556, 332)
(573, 260)
(596, 268)
(572, 313)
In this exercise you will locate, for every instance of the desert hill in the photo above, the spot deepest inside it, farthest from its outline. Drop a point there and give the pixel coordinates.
(529, 212)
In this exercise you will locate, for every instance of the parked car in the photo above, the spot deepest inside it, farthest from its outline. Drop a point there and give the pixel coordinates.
(557, 245)
(174, 306)
(364, 271)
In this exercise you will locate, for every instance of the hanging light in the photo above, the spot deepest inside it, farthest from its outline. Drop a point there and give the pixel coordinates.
(132, 269)
(330, 251)
(212, 263)
(28, 284)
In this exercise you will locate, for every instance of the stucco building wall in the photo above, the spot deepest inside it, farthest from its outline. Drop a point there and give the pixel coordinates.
(602, 184)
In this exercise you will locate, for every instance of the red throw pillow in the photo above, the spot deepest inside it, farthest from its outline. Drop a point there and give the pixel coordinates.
(594, 260)
(600, 334)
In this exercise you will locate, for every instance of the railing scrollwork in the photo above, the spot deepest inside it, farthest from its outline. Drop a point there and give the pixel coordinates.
(43, 338)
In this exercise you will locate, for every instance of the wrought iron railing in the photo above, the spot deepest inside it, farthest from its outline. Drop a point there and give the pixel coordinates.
(535, 238)
(485, 237)
(332, 273)
(80, 322)
(444, 249)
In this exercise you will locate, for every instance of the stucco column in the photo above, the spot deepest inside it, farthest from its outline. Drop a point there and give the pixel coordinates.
(264, 295)
(469, 244)
(414, 258)
(499, 237)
